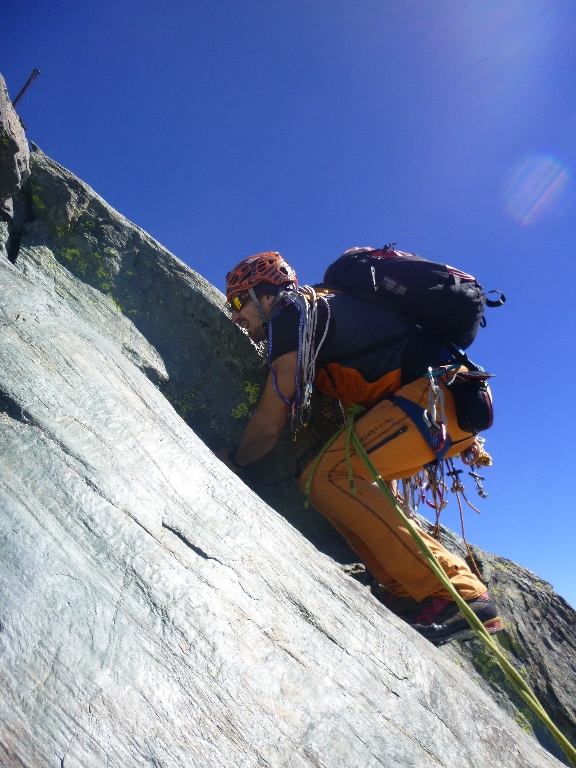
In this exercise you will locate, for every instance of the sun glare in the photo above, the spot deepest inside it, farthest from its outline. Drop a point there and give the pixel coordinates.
(536, 187)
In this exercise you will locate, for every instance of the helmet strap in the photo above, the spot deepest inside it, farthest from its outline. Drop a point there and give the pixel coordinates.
(261, 314)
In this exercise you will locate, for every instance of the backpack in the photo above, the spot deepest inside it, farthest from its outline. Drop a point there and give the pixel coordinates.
(442, 300)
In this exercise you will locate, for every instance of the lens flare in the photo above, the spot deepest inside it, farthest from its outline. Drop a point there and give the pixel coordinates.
(536, 187)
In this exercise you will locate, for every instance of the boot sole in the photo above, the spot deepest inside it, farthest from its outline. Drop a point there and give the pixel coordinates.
(492, 627)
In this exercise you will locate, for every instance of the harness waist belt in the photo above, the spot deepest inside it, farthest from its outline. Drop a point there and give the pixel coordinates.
(416, 414)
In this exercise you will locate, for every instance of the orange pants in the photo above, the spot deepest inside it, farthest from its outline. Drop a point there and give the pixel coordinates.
(367, 520)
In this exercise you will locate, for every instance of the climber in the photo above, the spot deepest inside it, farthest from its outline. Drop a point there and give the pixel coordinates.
(358, 353)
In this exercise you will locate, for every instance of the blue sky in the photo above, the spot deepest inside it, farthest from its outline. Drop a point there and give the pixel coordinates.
(226, 128)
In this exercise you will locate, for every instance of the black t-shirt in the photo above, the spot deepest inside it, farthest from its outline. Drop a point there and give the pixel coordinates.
(416, 351)
(286, 329)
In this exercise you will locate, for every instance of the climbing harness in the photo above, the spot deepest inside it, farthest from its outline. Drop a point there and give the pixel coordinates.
(511, 673)
(306, 301)
(430, 486)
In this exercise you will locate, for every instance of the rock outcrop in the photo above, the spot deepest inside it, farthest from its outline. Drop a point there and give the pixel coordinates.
(14, 152)
(14, 170)
(157, 612)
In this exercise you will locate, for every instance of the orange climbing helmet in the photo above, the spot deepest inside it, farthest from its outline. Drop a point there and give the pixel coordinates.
(268, 268)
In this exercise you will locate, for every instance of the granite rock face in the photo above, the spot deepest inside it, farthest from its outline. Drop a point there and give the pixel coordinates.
(155, 611)
(14, 152)
(14, 168)
(120, 279)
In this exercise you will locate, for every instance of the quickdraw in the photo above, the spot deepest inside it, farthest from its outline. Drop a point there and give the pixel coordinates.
(431, 488)
(436, 403)
(476, 457)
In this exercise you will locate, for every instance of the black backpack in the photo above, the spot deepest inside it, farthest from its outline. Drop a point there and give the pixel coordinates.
(439, 298)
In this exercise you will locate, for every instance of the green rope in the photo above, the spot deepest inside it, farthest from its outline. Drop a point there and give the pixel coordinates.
(512, 674)
(318, 460)
(353, 411)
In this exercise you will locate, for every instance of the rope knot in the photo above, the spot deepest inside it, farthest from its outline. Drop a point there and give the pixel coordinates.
(354, 411)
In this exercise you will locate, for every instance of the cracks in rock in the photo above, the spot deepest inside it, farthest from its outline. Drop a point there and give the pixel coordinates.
(243, 588)
(188, 543)
(14, 410)
(312, 620)
(112, 625)
(381, 662)
(10, 406)
(23, 214)
(13, 244)
(379, 758)
(410, 736)
(100, 492)
(446, 725)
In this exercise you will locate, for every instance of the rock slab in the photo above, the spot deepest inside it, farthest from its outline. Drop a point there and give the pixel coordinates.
(156, 612)
(153, 610)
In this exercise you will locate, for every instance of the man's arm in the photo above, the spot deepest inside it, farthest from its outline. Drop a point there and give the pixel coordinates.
(265, 427)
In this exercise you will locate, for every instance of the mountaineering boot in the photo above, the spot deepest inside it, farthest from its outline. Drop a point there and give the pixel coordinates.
(440, 620)
(403, 607)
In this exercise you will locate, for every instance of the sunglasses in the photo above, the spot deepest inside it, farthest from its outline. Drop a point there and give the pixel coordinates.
(239, 301)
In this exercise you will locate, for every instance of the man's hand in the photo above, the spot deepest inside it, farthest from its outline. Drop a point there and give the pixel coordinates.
(266, 424)
(224, 455)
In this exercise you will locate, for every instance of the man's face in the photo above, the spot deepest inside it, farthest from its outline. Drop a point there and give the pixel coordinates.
(249, 319)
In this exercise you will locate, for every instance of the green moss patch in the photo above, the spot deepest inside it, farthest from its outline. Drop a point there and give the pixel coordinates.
(252, 396)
